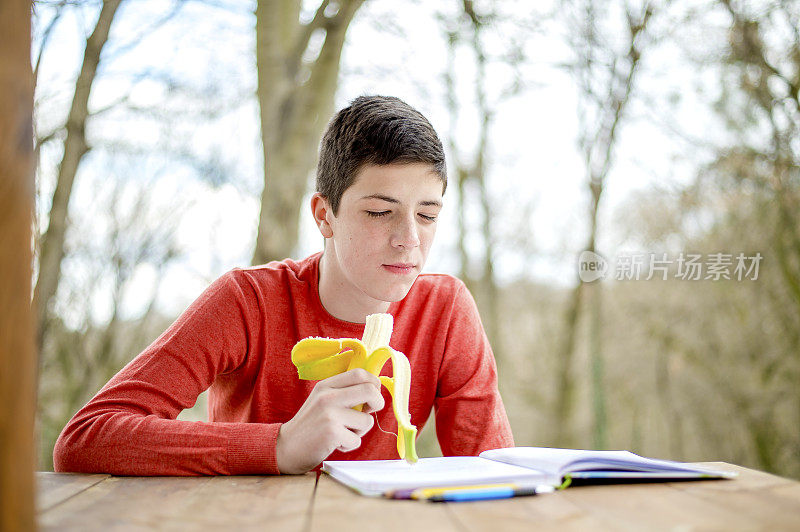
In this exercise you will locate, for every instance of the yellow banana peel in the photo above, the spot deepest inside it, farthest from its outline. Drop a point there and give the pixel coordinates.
(320, 358)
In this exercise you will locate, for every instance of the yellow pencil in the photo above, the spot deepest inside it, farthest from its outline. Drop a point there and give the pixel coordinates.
(427, 493)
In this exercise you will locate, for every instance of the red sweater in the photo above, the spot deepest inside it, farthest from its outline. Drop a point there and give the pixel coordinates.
(236, 338)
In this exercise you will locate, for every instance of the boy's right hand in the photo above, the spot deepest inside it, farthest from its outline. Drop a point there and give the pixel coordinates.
(327, 422)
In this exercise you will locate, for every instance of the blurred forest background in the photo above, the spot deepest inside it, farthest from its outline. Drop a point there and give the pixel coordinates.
(177, 139)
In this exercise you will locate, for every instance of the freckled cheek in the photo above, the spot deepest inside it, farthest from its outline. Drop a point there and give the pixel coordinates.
(363, 244)
(375, 238)
(426, 237)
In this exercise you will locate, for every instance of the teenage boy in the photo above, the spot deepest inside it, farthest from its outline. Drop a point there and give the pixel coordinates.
(380, 181)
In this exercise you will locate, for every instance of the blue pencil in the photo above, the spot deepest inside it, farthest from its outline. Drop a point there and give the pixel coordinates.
(481, 494)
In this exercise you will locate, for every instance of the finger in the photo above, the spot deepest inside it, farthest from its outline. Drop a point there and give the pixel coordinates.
(374, 407)
(350, 378)
(365, 394)
(358, 422)
(349, 397)
(348, 441)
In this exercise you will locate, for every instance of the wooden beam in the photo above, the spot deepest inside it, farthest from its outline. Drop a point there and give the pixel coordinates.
(17, 353)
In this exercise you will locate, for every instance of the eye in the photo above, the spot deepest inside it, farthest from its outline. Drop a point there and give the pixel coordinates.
(427, 218)
(377, 214)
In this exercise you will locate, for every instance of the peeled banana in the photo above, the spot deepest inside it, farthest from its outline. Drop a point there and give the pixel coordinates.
(320, 358)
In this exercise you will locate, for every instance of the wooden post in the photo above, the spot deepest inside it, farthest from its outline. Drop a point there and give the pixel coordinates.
(17, 353)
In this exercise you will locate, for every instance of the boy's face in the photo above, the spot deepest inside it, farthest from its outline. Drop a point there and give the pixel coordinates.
(383, 231)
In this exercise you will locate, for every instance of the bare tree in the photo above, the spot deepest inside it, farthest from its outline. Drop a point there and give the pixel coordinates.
(469, 31)
(82, 351)
(75, 147)
(125, 235)
(474, 171)
(727, 352)
(772, 86)
(750, 354)
(17, 354)
(297, 81)
(605, 78)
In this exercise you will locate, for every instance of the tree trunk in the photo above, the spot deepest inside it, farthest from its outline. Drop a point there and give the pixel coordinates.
(458, 170)
(565, 379)
(17, 353)
(293, 111)
(595, 303)
(600, 438)
(75, 147)
(488, 285)
(597, 141)
(666, 398)
(483, 284)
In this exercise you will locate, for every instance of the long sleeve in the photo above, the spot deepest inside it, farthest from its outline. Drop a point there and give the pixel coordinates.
(470, 416)
(130, 426)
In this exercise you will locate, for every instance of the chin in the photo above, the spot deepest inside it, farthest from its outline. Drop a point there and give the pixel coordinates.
(395, 293)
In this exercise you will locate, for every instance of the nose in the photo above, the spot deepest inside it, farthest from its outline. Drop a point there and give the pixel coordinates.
(406, 233)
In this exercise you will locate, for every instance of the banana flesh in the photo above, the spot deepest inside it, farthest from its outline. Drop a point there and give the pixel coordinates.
(320, 358)
(377, 331)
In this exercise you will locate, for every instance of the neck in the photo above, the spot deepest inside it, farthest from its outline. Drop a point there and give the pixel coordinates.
(339, 299)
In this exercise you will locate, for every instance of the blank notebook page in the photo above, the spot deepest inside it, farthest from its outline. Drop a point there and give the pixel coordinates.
(438, 471)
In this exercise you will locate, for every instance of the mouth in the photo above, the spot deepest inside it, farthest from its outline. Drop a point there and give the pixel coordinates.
(399, 267)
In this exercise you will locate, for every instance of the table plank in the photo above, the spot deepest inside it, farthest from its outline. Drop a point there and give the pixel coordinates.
(748, 479)
(337, 507)
(55, 488)
(649, 506)
(755, 500)
(753, 497)
(547, 511)
(790, 492)
(652, 506)
(186, 503)
(747, 502)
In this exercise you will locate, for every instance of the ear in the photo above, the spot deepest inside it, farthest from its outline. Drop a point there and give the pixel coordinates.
(321, 211)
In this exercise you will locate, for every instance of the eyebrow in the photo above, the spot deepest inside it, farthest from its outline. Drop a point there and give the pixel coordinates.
(389, 199)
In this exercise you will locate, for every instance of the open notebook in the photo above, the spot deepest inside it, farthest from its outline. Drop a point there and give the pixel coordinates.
(524, 466)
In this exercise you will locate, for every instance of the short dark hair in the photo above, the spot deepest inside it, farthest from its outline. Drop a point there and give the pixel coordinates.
(375, 130)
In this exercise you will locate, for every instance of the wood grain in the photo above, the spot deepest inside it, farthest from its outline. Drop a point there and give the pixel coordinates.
(55, 488)
(17, 350)
(754, 501)
(339, 508)
(186, 503)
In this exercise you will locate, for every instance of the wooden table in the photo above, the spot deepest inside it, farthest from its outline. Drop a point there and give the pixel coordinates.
(753, 501)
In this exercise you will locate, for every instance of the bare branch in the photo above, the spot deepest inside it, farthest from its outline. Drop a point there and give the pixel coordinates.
(307, 30)
(753, 50)
(147, 30)
(75, 146)
(46, 38)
